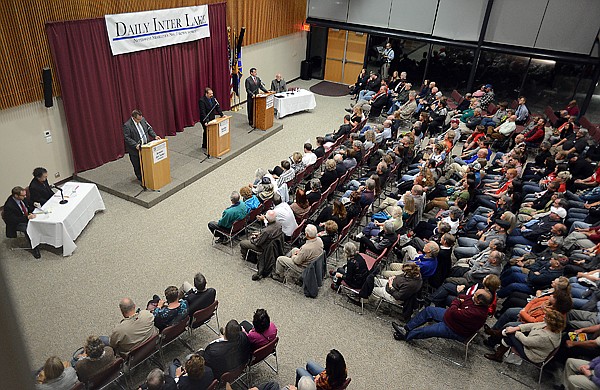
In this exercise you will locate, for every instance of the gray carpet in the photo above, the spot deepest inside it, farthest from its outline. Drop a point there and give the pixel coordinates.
(129, 250)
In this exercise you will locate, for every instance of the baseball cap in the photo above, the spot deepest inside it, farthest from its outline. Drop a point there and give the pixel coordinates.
(561, 212)
(488, 86)
(455, 120)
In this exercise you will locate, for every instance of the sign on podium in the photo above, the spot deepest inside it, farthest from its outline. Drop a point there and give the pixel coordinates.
(155, 164)
(219, 136)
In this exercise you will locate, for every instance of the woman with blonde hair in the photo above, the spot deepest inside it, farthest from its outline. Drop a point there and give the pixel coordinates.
(533, 341)
(510, 218)
(369, 139)
(297, 164)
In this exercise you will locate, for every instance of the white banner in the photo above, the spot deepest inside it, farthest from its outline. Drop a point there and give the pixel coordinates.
(138, 31)
(223, 128)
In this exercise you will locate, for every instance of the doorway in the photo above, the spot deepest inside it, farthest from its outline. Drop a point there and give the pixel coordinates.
(345, 55)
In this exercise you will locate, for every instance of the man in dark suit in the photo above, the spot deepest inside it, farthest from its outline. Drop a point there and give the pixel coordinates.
(233, 351)
(206, 104)
(198, 297)
(137, 132)
(17, 213)
(253, 85)
(39, 189)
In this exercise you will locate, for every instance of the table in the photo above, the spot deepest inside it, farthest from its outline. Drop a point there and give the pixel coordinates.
(301, 100)
(61, 224)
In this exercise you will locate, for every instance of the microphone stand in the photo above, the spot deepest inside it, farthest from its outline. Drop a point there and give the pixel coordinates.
(253, 113)
(63, 201)
(207, 154)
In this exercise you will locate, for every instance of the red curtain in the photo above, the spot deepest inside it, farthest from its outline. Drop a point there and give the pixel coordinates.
(100, 90)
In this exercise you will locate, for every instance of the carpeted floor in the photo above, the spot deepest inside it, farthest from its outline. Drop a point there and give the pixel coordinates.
(327, 88)
(132, 251)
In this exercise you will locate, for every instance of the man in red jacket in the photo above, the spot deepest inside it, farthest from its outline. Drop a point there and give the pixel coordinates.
(461, 320)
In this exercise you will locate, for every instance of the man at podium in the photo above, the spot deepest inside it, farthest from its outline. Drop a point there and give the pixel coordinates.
(253, 85)
(137, 132)
(209, 107)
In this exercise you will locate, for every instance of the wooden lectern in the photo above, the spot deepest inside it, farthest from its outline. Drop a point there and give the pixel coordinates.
(264, 110)
(219, 136)
(155, 164)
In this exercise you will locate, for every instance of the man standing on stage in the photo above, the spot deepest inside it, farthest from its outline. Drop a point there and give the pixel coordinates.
(137, 132)
(253, 84)
(209, 107)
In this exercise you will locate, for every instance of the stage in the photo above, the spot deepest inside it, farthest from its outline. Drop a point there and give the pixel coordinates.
(186, 156)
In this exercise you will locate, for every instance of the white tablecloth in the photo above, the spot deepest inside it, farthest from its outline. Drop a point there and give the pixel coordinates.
(63, 223)
(299, 101)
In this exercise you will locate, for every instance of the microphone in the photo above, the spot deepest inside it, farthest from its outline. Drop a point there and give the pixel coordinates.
(63, 200)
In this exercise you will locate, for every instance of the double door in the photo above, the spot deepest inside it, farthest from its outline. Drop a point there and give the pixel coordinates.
(345, 55)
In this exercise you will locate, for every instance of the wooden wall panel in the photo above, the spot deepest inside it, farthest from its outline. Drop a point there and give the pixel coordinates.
(24, 49)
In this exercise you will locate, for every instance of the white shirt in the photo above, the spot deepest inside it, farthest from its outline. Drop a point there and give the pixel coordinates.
(507, 128)
(309, 158)
(387, 132)
(285, 216)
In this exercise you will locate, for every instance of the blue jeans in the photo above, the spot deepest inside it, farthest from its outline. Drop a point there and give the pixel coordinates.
(478, 222)
(512, 275)
(509, 315)
(522, 287)
(439, 329)
(365, 94)
(312, 369)
(516, 237)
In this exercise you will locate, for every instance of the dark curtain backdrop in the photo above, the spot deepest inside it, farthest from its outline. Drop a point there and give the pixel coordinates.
(100, 90)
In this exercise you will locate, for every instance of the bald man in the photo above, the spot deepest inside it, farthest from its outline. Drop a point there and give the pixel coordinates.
(135, 328)
(278, 85)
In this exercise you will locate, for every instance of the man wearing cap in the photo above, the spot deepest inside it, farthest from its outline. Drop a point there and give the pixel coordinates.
(532, 231)
(486, 99)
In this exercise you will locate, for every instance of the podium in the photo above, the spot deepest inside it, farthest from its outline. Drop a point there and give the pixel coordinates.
(155, 164)
(264, 111)
(219, 136)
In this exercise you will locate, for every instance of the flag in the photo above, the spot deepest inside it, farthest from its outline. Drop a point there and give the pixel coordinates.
(238, 72)
(230, 64)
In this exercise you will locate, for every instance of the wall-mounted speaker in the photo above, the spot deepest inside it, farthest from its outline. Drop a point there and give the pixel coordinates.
(47, 83)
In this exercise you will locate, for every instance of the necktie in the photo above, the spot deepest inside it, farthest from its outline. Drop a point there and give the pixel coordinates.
(254, 78)
(142, 133)
(23, 208)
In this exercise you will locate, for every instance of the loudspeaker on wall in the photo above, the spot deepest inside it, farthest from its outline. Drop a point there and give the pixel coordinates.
(47, 83)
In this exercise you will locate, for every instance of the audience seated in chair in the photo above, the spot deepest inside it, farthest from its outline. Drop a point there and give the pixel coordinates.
(197, 296)
(333, 376)
(231, 214)
(354, 272)
(96, 356)
(136, 327)
(56, 374)
(158, 380)
(169, 311)
(228, 352)
(261, 331)
(465, 316)
(193, 375)
(298, 259)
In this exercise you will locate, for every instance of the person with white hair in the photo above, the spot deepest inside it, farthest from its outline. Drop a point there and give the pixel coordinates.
(231, 214)
(380, 242)
(299, 258)
(259, 240)
(278, 85)
(157, 379)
